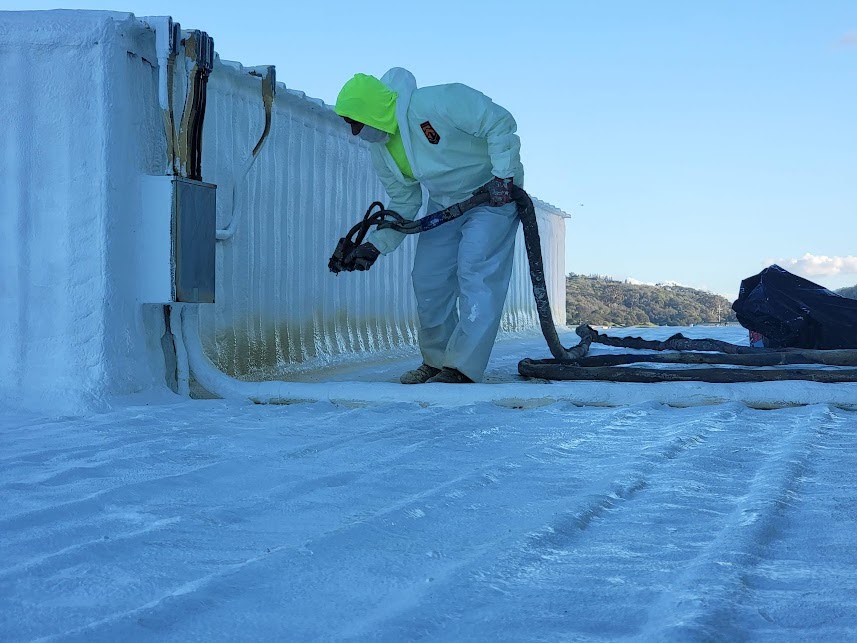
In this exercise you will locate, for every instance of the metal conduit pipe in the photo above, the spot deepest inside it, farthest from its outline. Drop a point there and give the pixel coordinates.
(205, 55)
(184, 137)
(182, 365)
(199, 48)
(269, 88)
(167, 36)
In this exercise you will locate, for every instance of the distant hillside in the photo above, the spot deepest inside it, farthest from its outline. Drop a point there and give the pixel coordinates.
(850, 291)
(606, 302)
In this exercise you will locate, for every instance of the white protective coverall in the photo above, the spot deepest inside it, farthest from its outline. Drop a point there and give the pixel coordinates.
(456, 140)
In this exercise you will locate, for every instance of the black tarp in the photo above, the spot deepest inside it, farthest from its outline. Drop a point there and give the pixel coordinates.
(794, 312)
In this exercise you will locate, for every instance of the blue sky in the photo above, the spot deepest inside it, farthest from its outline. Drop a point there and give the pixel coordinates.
(693, 142)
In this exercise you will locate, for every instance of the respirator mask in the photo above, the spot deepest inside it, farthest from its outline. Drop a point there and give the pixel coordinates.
(373, 135)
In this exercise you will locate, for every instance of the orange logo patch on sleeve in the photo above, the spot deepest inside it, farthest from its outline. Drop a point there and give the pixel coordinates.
(430, 132)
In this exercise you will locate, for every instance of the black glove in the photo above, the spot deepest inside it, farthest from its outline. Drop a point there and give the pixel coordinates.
(499, 192)
(363, 256)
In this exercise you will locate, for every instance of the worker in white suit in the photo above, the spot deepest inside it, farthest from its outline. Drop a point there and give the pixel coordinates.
(450, 140)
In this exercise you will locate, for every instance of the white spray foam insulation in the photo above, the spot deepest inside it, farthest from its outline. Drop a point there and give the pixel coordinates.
(79, 131)
(83, 126)
(277, 303)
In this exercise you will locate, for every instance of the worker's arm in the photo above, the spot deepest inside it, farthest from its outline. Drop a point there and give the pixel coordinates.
(405, 198)
(474, 113)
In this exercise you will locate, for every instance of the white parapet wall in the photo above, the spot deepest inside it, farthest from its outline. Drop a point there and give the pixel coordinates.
(80, 127)
(83, 127)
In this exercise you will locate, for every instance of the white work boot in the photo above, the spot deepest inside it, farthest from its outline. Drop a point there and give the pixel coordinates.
(419, 375)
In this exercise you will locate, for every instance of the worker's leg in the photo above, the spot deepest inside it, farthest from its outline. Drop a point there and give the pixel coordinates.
(436, 287)
(485, 257)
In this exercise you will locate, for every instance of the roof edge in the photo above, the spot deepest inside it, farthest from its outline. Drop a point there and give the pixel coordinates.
(550, 208)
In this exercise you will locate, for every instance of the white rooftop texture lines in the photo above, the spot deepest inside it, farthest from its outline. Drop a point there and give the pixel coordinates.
(221, 521)
(83, 126)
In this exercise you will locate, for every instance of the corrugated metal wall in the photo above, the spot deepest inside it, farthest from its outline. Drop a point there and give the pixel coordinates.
(278, 306)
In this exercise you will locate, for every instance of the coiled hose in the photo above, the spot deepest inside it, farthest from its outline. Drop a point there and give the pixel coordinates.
(572, 363)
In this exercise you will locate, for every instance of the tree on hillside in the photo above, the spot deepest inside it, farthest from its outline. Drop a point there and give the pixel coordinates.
(602, 301)
(850, 291)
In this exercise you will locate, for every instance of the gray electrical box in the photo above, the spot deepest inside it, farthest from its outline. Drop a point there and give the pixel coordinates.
(195, 237)
(176, 240)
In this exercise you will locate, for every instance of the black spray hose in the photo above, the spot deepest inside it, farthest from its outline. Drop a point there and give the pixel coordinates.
(343, 257)
(382, 218)
(572, 363)
(533, 245)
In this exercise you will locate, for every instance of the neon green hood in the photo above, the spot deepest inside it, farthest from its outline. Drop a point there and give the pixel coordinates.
(367, 100)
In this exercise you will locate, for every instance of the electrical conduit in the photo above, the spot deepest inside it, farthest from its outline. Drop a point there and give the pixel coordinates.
(269, 85)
